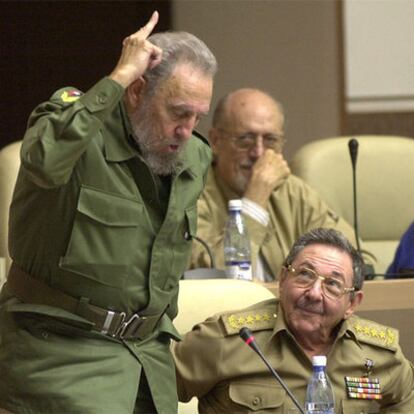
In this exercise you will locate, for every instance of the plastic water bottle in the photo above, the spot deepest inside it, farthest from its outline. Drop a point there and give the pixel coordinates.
(237, 244)
(319, 394)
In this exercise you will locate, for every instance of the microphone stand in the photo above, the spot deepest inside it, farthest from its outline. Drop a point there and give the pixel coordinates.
(247, 336)
(353, 150)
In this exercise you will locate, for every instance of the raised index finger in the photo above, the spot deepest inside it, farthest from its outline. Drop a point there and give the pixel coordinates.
(149, 27)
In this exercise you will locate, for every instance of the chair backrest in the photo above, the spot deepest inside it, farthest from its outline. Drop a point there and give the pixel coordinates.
(200, 298)
(385, 167)
(9, 167)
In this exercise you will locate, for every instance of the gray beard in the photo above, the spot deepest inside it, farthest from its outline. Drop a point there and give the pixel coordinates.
(159, 163)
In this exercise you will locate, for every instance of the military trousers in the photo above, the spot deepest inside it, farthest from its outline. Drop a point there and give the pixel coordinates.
(49, 367)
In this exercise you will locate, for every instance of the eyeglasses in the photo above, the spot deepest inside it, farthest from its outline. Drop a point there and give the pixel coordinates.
(248, 140)
(304, 277)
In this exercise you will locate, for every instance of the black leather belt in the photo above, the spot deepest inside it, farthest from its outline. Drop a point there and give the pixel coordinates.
(115, 324)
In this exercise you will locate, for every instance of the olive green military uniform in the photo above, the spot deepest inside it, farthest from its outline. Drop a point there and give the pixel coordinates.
(215, 365)
(294, 209)
(90, 219)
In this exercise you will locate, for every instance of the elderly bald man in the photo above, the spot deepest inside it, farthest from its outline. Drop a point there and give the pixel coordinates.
(247, 138)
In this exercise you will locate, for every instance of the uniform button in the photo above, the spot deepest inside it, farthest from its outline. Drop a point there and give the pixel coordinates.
(256, 401)
(102, 99)
(45, 334)
(187, 235)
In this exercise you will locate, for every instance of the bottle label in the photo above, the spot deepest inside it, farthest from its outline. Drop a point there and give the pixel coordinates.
(319, 408)
(239, 270)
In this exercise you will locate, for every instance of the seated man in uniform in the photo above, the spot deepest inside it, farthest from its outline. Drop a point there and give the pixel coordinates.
(247, 140)
(320, 287)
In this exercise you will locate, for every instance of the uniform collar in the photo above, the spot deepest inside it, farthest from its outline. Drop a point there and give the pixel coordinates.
(227, 192)
(280, 325)
(116, 136)
(343, 328)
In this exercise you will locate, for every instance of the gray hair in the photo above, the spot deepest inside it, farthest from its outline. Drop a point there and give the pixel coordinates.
(179, 48)
(334, 238)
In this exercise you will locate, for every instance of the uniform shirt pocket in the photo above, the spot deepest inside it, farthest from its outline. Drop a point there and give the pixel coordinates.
(354, 406)
(258, 396)
(181, 246)
(105, 239)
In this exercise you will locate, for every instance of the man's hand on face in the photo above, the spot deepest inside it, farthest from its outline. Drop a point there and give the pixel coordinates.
(268, 173)
(137, 55)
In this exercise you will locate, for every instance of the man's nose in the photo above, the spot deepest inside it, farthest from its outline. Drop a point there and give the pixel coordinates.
(185, 129)
(258, 148)
(315, 290)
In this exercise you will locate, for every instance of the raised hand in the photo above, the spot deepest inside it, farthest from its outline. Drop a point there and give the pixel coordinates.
(137, 55)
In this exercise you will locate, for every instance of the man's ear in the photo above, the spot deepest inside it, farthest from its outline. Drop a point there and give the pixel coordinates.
(134, 93)
(354, 302)
(214, 139)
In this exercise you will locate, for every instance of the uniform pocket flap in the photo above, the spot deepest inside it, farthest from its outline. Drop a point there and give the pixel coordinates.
(109, 209)
(359, 406)
(257, 395)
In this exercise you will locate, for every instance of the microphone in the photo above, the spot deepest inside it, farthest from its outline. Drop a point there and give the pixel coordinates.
(203, 272)
(353, 152)
(247, 336)
(189, 237)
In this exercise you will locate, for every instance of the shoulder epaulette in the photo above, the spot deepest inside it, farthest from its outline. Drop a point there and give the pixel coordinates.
(374, 333)
(201, 136)
(66, 95)
(256, 318)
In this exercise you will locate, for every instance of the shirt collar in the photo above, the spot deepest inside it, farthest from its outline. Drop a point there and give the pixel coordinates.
(228, 193)
(116, 136)
(343, 328)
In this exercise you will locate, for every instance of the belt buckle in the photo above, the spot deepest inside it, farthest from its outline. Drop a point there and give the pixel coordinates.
(125, 324)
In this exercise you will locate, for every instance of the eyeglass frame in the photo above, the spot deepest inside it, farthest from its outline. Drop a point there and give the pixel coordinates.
(237, 139)
(345, 290)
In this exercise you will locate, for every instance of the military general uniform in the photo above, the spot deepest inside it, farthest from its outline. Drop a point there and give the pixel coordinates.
(215, 365)
(99, 243)
(294, 209)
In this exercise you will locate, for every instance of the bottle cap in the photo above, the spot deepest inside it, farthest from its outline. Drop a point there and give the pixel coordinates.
(319, 360)
(235, 204)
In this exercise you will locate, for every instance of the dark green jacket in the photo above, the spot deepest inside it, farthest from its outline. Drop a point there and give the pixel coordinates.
(79, 219)
(87, 216)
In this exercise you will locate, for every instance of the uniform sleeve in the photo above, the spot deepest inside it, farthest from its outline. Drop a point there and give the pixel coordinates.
(198, 359)
(60, 130)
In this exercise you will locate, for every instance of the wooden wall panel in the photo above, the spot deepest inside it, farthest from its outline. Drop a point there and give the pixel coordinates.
(45, 45)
